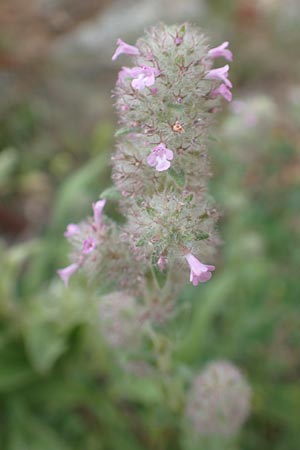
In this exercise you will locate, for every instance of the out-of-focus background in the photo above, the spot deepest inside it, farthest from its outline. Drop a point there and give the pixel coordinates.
(59, 388)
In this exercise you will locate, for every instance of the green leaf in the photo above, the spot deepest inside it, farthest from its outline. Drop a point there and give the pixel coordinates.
(140, 242)
(160, 275)
(201, 235)
(28, 432)
(8, 159)
(175, 106)
(44, 344)
(111, 193)
(14, 375)
(123, 131)
(178, 177)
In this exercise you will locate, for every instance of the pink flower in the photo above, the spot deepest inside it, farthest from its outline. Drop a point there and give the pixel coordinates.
(89, 245)
(162, 262)
(160, 157)
(98, 208)
(71, 230)
(143, 76)
(67, 272)
(220, 51)
(199, 272)
(220, 74)
(127, 49)
(223, 91)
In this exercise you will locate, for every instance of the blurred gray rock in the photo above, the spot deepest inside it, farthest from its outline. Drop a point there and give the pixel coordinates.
(96, 39)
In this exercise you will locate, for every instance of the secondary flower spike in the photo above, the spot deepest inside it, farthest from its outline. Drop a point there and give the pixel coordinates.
(199, 272)
(123, 48)
(160, 157)
(221, 51)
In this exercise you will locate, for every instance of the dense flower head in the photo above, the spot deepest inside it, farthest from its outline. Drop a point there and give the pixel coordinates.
(164, 185)
(166, 98)
(219, 400)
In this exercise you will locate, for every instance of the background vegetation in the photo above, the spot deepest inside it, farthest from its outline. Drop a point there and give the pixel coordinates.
(60, 386)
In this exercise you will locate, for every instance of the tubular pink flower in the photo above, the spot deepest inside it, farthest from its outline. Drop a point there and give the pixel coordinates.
(67, 272)
(89, 245)
(221, 73)
(127, 49)
(98, 208)
(71, 230)
(223, 91)
(160, 157)
(221, 51)
(199, 272)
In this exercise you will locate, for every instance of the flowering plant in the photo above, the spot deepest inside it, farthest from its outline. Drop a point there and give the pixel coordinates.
(166, 103)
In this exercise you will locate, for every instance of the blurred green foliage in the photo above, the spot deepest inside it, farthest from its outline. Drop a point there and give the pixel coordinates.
(60, 386)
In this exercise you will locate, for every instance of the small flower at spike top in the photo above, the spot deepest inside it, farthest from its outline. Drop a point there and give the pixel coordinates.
(199, 272)
(220, 51)
(160, 157)
(123, 48)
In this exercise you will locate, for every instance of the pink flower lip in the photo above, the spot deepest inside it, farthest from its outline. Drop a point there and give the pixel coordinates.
(123, 48)
(199, 272)
(160, 157)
